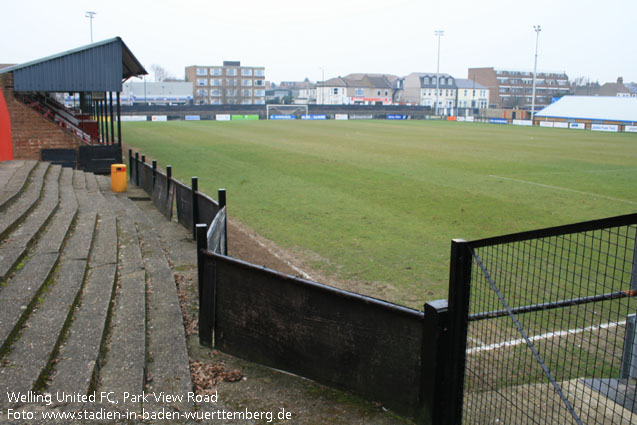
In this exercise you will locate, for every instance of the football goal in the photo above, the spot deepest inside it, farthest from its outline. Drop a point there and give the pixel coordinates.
(286, 112)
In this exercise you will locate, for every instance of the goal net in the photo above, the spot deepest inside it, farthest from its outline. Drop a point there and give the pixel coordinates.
(286, 112)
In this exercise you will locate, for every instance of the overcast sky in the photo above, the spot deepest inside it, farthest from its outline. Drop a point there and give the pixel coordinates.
(295, 39)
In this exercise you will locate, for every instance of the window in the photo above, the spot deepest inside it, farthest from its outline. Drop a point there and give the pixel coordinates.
(215, 82)
(202, 71)
(433, 80)
(231, 93)
(215, 71)
(215, 92)
(202, 93)
(259, 101)
(231, 71)
(258, 83)
(246, 102)
(426, 80)
(386, 93)
(259, 93)
(466, 93)
(246, 93)
(215, 102)
(335, 91)
(259, 72)
(358, 92)
(246, 83)
(202, 81)
(246, 72)
(231, 83)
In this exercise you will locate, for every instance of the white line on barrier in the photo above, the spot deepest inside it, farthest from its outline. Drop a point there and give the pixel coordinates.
(548, 335)
(565, 189)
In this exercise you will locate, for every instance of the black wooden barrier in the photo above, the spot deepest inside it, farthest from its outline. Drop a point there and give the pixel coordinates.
(382, 351)
(338, 338)
(63, 157)
(98, 159)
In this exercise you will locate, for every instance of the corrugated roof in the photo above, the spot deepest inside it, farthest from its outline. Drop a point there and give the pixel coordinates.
(602, 108)
(100, 66)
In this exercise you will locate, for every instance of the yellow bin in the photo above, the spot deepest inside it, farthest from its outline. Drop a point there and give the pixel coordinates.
(118, 178)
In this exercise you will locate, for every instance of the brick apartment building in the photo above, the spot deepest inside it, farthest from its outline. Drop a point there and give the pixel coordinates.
(230, 84)
(511, 89)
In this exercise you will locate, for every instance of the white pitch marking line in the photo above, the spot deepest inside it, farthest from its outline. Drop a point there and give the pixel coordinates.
(298, 270)
(548, 335)
(565, 189)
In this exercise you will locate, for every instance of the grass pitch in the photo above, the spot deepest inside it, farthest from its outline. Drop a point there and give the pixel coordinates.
(379, 201)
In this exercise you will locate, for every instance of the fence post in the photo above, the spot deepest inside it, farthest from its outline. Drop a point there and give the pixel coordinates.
(194, 183)
(459, 291)
(222, 204)
(433, 359)
(137, 168)
(205, 293)
(130, 164)
(169, 176)
(154, 172)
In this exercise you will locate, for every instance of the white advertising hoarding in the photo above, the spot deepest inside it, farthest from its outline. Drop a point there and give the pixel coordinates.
(578, 125)
(522, 122)
(604, 127)
(222, 117)
(159, 118)
(340, 116)
(546, 124)
(630, 128)
(134, 118)
(560, 124)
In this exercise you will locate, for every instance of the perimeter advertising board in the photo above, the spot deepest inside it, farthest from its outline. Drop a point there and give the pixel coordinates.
(244, 117)
(340, 116)
(605, 127)
(159, 118)
(630, 128)
(314, 117)
(222, 117)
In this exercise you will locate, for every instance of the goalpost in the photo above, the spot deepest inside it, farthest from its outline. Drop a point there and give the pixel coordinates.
(285, 112)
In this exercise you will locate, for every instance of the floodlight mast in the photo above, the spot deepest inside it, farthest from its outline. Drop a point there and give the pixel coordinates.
(90, 15)
(537, 30)
(438, 33)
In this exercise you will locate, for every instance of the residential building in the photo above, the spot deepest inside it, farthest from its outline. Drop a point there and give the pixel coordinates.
(470, 95)
(369, 89)
(618, 89)
(420, 88)
(513, 89)
(230, 83)
(303, 92)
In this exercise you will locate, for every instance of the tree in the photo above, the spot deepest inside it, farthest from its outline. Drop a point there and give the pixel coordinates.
(160, 73)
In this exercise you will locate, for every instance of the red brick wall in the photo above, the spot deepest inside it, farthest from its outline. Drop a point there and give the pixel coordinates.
(30, 131)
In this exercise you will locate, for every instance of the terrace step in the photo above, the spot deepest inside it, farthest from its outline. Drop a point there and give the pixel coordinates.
(28, 361)
(23, 235)
(124, 367)
(79, 356)
(13, 177)
(168, 364)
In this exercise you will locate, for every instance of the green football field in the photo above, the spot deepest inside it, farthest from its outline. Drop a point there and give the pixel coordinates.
(378, 202)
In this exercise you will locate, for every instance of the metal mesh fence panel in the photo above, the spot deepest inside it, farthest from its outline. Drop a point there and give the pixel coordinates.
(547, 339)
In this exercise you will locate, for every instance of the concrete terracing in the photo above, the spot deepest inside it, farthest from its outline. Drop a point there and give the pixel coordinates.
(88, 300)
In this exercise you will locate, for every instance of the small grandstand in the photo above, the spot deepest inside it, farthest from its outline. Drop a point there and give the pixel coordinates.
(36, 124)
(601, 113)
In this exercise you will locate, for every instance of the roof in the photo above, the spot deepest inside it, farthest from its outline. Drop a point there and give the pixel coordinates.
(367, 81)
(603, 108)
(463, 83)
(100, 66)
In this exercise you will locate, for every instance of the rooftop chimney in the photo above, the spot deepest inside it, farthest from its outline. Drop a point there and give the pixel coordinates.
(620, 80)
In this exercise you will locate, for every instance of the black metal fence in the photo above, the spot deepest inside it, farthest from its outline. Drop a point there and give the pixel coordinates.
(544, 326)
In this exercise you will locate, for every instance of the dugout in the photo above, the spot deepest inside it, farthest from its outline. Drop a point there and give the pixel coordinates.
(36, 123)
